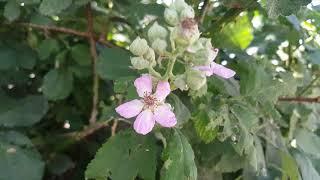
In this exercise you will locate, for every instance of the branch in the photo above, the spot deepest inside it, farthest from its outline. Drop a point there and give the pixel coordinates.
(300, 99)
(68, 31)
(94, 56)
(87, 131)
(203, 11)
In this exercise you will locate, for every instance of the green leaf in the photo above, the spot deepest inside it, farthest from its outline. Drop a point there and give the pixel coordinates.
(237, 34)
(15, 56)
(57, 84)
(53, 7)
(245, 114)
(206, 127)
(308, 171)
(18, 161)
(289, 167)
(180, 110)
(81, 2)
(283, 7)
(28, 1)
(178, 159)
(81, 54)
(11, 10)
(114, 63)
(125, 156)
(308, 142)
(314, 57)
(22, 112)
(47, 48)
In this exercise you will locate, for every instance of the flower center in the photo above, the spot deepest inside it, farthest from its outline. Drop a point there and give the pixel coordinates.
(150, 101)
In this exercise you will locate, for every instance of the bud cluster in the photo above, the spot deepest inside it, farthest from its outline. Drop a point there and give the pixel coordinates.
(179, 40)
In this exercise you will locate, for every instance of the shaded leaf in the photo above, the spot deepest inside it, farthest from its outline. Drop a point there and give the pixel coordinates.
(57, 84)
(11, 10)
(53, 7)
(178, 159)
(125, 156)
(18, 162)
(114, 63)
(22, 112)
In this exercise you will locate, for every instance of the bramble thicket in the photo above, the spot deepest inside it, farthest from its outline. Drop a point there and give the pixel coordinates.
(160, 89)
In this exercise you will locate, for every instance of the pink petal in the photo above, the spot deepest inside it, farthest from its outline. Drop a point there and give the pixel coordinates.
(222, 71)
(143, 85)
(144, 122)
(206, 69)
(163, 90)
(214, 53)
(164, 116)
(130, 109)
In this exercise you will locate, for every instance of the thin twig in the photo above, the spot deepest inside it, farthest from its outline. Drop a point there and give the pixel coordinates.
(94, 56)
(114, 127)
(309, 85)
(203, 11)
(300, 99)
(87, 131)
(68, 31)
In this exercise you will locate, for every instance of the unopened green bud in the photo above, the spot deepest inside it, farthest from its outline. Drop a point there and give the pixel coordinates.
(195, 79)
(180, 5)
(150, 57)
(200, 92)
(139, 47)
(159, 46)
(171, 16)
(186, 33)
(156, 31)
(202, 57)
(188, 12)
(180, 82)
(139, 63)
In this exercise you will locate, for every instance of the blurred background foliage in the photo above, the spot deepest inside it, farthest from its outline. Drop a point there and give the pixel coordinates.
(263, 124)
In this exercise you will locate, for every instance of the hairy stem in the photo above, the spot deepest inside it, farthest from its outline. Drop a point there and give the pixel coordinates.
(170, 66)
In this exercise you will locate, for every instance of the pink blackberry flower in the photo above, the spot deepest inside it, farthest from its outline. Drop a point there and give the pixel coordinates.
(151, 108)
(215, 68)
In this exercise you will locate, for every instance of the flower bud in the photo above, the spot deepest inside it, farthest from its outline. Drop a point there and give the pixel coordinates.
(150, 57)
(180, 5)
(180, 82)
(186, 33)
(188, 12)
(139, 63)
(202, 57)
(159, 46)
(195, 79)
(139, 47)
(171, 16)
(156, 31)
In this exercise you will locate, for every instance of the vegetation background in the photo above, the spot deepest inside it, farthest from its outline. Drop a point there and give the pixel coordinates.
(64, 67)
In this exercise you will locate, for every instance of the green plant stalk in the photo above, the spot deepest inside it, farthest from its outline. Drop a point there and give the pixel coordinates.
(170, 66)
(154, 72)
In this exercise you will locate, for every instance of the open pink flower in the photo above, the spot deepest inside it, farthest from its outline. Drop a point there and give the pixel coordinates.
(215, 68)
(151, 108)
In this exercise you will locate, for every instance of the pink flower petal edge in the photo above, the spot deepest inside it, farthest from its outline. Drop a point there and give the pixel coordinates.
(144, 122)
(222, 71)
(143, 85)
(163, 90)
(164, 116)
(130, 109)
(152, 106)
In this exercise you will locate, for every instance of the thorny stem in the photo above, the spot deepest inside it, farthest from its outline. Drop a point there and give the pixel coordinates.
(94, 56)
(300, 99)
